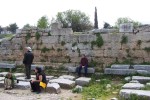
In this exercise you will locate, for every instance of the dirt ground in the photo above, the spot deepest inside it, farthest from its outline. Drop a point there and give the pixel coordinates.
(18, 94)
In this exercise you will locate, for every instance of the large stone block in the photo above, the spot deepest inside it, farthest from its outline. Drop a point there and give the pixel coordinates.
(73, 70)
(86, 38)
(141, 79)
(22, 85)
(64, 83)
(16, 41)
(125, 93)
(83, 46)
(141, 67)
(119, 71)
(82, 81)
(50, 39)
(67, 77)
(98, 53)
(135, 86)
(120, 66)
(53, 88)
(19, 74)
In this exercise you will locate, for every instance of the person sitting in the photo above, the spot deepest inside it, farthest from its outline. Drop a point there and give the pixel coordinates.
(9, 81)
(83, 64)
(39, 82)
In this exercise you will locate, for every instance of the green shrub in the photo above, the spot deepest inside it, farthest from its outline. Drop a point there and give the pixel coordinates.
(85, 43)
(49, 34)
(58, 49)
(44, 49)
(28, 36)
(63, 43)
(139, 42)
(147, 49)
(124, 39)
(92, 63)
(37, 35)
(74, 44)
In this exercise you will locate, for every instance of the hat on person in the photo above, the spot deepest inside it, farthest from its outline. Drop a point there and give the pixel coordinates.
(29, 48)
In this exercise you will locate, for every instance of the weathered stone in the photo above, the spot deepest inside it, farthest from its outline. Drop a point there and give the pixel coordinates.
(2, 78)
(119, 71)
(143, 72)
(83, 46)
(127, 79)
(19, 74)
(23, 85)
(98, 53)
(134, 81)
(141, 79)
(53, 88)
(67, 77)
(83, 81)
(40, 66)
(64, 83)
(125, 93)
(50, 39)
(73, 70)
(136, 86)
(120, 66)
(147, 84)
(3, 73)
(141, 67)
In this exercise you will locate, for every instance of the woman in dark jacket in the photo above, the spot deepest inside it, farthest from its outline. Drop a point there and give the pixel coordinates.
(39, 82)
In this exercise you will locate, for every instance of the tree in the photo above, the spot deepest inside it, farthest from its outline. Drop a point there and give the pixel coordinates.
(43, 22)
(12, 27)
(75, 19)
(27, 26)
(126, 20)
(1, 29)
(96, 19)
(106, 25)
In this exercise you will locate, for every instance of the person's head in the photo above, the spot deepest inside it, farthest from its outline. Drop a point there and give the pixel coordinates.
(9, 75)
(28, 49)
(83, 56)
(38, 70)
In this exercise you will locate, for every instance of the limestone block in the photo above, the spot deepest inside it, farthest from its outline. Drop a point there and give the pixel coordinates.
(82, 46)
(64, 83)
(134, 81)
(45, 34)
(16, 41)
(127, 79)
(125, 93)
(86, 52)
(122, 53)
(2, 79)
(119, 71)
(3, 73)
(19, 74)
(50, 39)
(135, 86)
(33, 34)
(145, 37)
(146, 54)
(32, 40)
(73, 38)
(67, 77)
(138, 60)
(141, 67)
(82, 81)
(83, 38)
(141, 79)
(144, 45)
(37, 52)
(73, 70)
(146, 59)
(75, 59)
(106, 38)
(65, 38)
(22, 79)
(98, 53)
(111, 53)
(115, 38)
(23, 85)
(53, 88)
(137, 53)
(72, 53)
(115, 66)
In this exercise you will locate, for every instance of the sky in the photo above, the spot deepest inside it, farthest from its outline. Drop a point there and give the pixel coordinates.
(22, 12)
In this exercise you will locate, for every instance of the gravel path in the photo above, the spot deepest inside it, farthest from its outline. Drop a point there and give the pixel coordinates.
(17, 94)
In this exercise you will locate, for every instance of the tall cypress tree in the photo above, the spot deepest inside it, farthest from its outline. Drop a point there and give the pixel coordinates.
(95, 19)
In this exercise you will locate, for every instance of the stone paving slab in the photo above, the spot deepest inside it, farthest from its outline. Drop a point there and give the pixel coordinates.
(22, 85)
(141, 79)
(119, 71)
(67, 77)
(143, 72)
(64, 83)
(126, 93)
(141, 67)
(73, 70)
(115, 66)
(19, 74)
(135, 86)
(82, 81)
(53, 88)
(3, 73)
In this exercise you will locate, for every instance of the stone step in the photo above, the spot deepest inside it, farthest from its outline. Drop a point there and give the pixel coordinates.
(135, 86)
(67, 77)
(64, 83)
(22, 85)
(119, 71)
(115, 66)
(82, 81)
(73, 70)
(125, 93)
(53, 88)
(141, 79)
(141, 67)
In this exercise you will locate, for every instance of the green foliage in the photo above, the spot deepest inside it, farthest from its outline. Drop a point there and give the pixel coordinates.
(145, 63)
(49, 34)
(124, 39)
(63, 43)
(75, 19)
(58, 49)
(93, 43)
(139, 42)
(79, 52)
(43, 60)
(37, 35)
(92, 63)
(147, 49)
(12, 27)
(85, 43)
(126, 20)
(6, 36)
(99, 41)
(45, 49)
(43, 22)
(135, 97)
(76, 90)
(106, 25)
(27, 26)
(74, 44)
(95, 19)
(28, 36)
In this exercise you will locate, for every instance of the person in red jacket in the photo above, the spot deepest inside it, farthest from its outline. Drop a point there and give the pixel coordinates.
(83, 64)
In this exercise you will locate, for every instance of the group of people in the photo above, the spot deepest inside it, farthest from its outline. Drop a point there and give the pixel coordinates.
(40, 80)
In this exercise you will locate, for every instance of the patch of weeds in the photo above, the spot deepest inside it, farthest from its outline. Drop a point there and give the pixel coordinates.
(139, 42)
(45, 49)
(79, 52)
(76, 90)
(124, 39)
(58, 49)
(37, 35)
(147, 49)
(49, 34)
(85, 43)
(43, 60)
(92, 44)
(21, 48)
(52, 48)
(74, 44)
(147, 87)
(145, 63)
(63, 43)
(92, 63)
(99, 40)
(28, 36)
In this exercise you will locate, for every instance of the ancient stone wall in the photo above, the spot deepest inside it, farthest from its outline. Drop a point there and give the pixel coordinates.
(60, 46)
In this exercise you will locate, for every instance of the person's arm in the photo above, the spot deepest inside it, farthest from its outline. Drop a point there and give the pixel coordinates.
(24, 59)
(40, 79)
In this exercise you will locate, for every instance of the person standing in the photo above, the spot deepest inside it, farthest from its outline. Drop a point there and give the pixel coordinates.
(27, 61)
(83, 64)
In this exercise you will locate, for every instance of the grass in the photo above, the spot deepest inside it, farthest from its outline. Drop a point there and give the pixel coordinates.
(6, 36)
